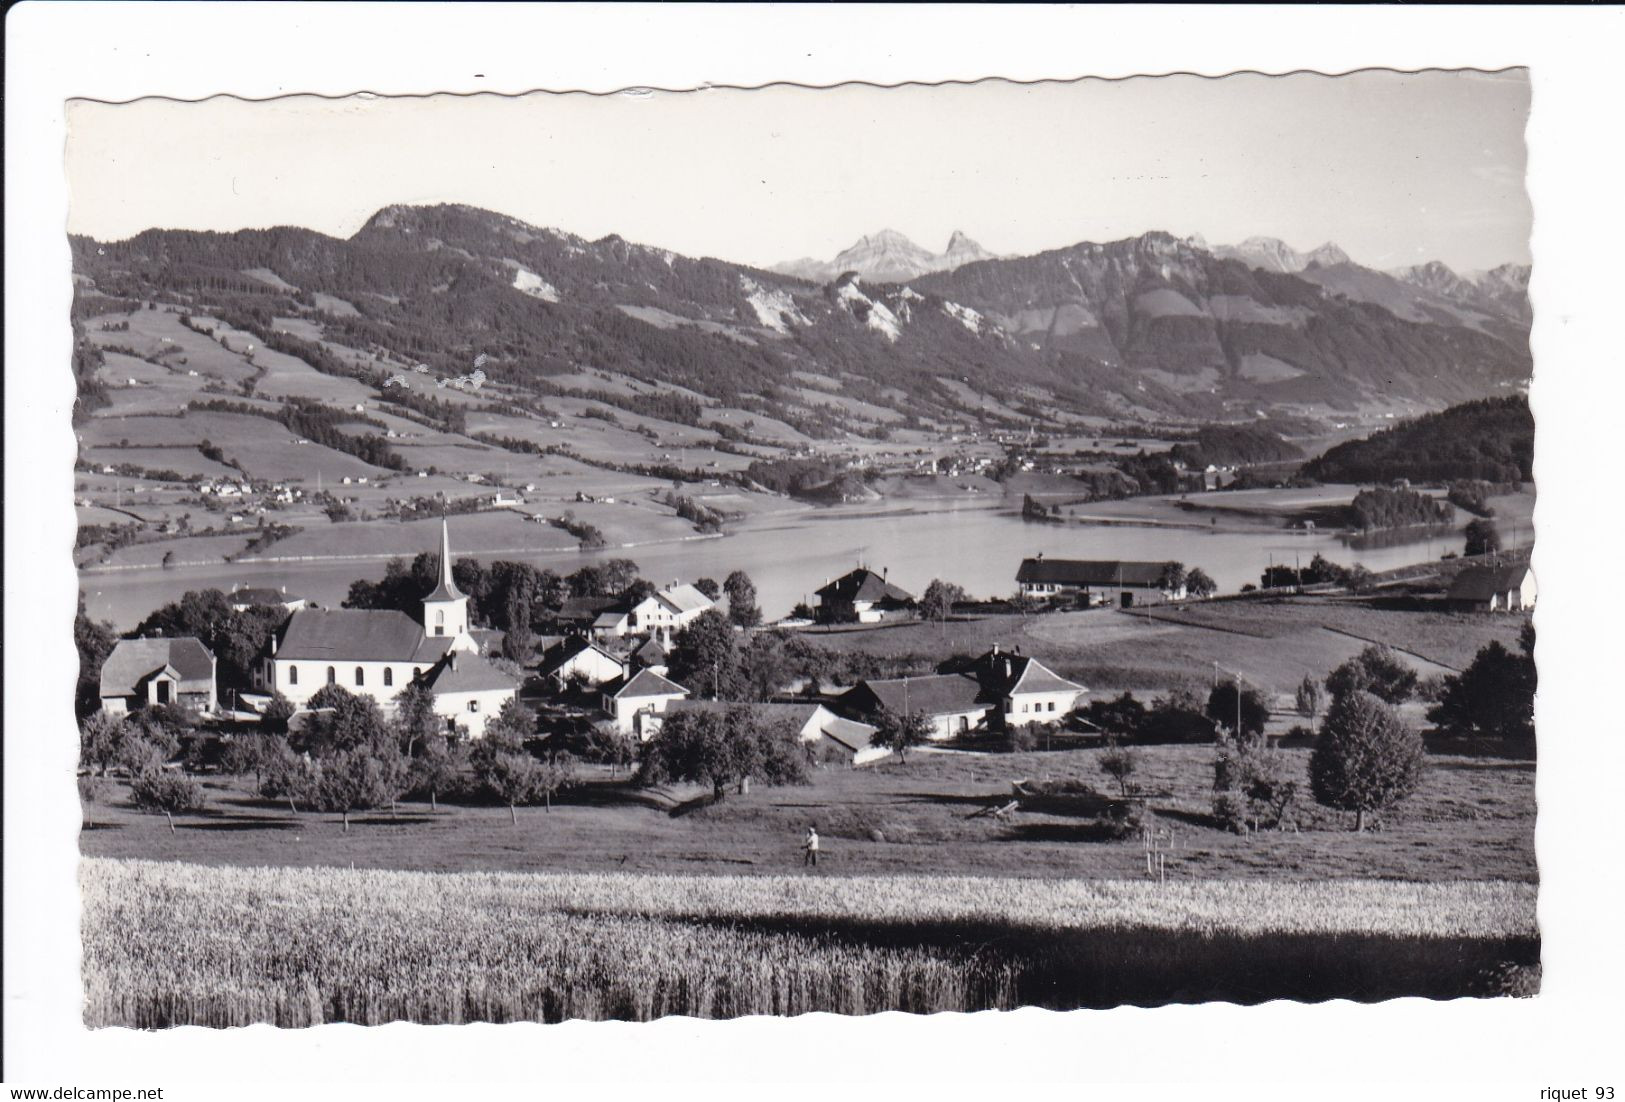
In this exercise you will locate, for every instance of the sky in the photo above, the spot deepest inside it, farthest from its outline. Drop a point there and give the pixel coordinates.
(1396, 168)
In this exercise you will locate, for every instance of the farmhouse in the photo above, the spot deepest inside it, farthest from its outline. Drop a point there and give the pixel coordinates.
(1098, 581)
(863, 597)
(143, 672)
(660, 615)
(629, 701)
(999, 690)
(1494, 589)
(379, 652)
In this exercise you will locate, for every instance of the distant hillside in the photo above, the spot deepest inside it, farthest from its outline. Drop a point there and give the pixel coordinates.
(887, 257)
(1152, 327)
(1235, 446)
(1492, 440)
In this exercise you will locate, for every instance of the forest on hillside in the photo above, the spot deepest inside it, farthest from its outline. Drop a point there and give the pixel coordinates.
(1492, 440)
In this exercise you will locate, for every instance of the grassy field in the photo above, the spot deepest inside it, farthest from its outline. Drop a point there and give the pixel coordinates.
(1473, 818)
(172, 944)
(1271, 643)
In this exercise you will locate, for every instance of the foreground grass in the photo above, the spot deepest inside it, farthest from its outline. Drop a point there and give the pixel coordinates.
(172, 944)
(1472, 819)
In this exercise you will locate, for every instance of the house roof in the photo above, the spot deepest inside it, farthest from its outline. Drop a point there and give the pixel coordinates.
(609, 618)
(133, 660)
(683, 599)
(644, 683)
(466, 673)
(561, 655)
(799, 713)
(849, 733)
(863, 584)
(585, 608)
(358, 635)
(651, 653)
(933, 694)
(1480, 583)
(1089, 572)
(1004, 673)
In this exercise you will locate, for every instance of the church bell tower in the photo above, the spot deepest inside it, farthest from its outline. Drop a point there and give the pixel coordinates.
(445, 609)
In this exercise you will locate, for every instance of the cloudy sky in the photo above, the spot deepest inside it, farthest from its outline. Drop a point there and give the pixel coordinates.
(1395, 168)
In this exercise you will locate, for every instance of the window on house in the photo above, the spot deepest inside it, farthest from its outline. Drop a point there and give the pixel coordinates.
(360, 676)
(1052, 705)
(293, 675)
(473, 705)
(332, 676)
(389, 677)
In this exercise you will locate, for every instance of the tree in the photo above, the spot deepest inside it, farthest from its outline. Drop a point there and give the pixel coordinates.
(1119, 764)
(512, 775)
(513, 725)
(1483, 538)
(436, 766)
(358, 778)
(709, 587)
(1366, 758)
(95, 641)
(900, 730)
(416, 721)
(1198, 584)
(742, 608)
(723, 746)
(1494, 696)
(608, 745)
(1121, 718)
(705, 657)
(1243, 712)
(1178, 717)
(1376, 670)
(101, 741)
(1310, 698)
(940, 598)
(1173, 576)
(276, 714)
(764, 666)
(1359, 580)
(1252, 785)
(156, 790)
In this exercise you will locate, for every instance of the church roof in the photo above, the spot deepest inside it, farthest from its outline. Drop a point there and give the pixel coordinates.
(133, 660)
(358, 635)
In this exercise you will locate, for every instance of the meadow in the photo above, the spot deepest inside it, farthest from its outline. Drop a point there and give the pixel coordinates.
(1473, 818)
(175, 944)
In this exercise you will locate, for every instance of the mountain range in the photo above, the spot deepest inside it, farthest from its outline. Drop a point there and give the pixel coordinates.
(1150, 327)
(887, 257)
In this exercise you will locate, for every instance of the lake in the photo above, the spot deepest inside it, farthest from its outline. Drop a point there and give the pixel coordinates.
(977, 544)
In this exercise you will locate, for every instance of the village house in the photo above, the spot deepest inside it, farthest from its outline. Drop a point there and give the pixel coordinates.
(1097, 581)
(1494, 589)
(379, 652)
(863, 597)
(999, 690)
(579, 659)
(659, 615)
(140, 673)
(629, 701)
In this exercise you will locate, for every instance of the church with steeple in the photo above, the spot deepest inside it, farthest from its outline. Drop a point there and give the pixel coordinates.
(379, 652)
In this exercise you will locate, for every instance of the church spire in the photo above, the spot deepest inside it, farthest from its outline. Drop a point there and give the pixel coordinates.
(447, 589)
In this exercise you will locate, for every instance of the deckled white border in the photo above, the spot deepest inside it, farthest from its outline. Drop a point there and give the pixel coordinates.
(119, 51)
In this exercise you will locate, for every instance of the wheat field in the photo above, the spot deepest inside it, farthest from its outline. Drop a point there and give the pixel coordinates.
(172, 944)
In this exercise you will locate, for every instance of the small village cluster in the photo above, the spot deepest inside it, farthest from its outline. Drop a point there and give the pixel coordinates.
(614, 651)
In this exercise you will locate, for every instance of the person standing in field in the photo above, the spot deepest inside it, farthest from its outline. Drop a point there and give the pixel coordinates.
(809, 847)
